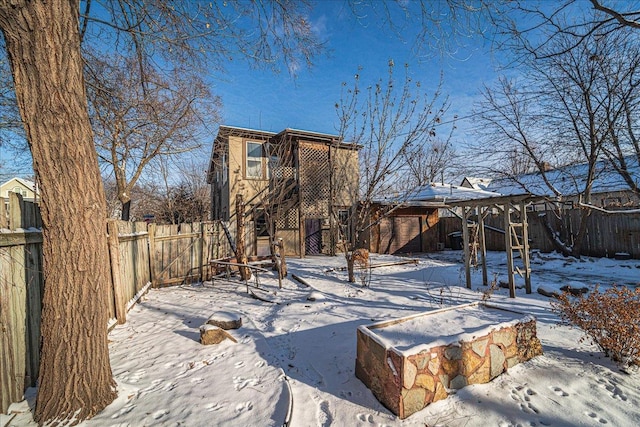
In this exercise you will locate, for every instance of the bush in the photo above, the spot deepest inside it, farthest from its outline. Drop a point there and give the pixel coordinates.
(610, 319)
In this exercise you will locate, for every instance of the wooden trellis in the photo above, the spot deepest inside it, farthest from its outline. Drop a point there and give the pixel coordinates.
(514, 209)
(315, 188)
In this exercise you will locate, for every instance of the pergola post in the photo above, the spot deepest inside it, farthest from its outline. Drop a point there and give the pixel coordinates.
(509, 248)
(481, 241)
(512, 239)
(466, 212)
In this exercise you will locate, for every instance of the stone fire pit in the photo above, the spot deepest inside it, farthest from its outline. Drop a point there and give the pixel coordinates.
(412, 361)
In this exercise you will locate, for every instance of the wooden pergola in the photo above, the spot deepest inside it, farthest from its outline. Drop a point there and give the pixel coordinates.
(516, 234)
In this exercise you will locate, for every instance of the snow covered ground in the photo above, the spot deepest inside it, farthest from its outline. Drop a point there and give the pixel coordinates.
(295, 349)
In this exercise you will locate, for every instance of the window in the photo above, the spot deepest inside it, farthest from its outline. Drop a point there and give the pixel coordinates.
(254, 160)
(20, 191)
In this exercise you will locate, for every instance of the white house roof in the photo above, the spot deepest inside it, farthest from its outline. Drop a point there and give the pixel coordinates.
(438, 194)
(477, 183)
(242, 129)
(568, 180)
(25, 182)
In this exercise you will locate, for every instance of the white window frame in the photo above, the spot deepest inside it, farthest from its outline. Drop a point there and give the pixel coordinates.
(249, 174)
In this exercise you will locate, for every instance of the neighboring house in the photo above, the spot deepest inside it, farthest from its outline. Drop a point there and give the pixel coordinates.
(475, 183)
(27, 189)
(609, 190)
(296, 185)
(413, 224)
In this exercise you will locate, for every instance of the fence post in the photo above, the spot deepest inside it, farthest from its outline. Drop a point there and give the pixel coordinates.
(116, 282)
(16, 208)
(202, 258)
(151, 229)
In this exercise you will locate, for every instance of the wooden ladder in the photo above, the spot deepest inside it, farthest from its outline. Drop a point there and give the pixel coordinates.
(517, 239)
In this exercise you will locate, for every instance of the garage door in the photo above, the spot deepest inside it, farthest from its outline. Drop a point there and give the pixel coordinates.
(400, 234)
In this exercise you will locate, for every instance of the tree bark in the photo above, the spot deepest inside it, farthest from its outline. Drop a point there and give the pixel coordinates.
(126, 210)
(241, 254)
(43, 47)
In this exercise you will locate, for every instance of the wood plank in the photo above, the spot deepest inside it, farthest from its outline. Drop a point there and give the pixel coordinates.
(20, 238)
(116, 279)
(153, 260)
(35, 291)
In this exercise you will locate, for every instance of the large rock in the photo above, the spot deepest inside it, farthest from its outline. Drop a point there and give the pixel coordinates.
(210, 334)
(497, 360)
(225, 320)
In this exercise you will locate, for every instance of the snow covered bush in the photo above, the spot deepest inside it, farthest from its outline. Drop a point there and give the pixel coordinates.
(610, 319)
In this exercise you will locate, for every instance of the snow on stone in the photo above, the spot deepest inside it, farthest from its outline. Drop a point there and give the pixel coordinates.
(413, 334)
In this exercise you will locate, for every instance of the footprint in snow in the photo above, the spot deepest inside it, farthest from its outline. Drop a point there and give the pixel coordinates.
(125, 410)
(154, 385)
(611, 387)
(595, 416)
(239, 364)
(241, 382)
(134, 377)
(169, 386)
(159, 414)
(260, 363)
(244, 406)
(559, 392)
(213, 407)
(325, 419)
(524, 399)
(365, 418)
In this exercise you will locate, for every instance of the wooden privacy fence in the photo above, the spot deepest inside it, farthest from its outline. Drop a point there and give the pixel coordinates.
(140, 256)
(21, 288)
(606, 234)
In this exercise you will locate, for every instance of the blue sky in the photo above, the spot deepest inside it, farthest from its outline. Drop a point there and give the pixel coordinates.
(260, 99)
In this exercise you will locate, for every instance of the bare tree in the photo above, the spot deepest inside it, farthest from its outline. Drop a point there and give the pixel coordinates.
(42, 40)
(137, 118)
(428, 163)
(622, 79)
(183, 204)
(388, 120)
(563, 116)
(545, 29)
(188, 200)
(522, 27)
(13, 144)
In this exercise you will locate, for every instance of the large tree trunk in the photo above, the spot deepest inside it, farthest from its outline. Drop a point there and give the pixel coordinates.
(43, 47)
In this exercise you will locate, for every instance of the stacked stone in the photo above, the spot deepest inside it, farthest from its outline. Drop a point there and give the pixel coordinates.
(406, 385)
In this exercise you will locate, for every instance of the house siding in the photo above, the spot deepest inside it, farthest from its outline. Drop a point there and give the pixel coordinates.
(325, 181)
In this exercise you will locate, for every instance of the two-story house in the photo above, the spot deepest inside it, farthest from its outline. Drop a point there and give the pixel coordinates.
(296, 185)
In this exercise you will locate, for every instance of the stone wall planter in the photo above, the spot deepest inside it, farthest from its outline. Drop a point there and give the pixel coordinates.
(413, 361)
